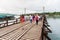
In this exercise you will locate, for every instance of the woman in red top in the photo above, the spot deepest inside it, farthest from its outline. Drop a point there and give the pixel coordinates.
(37, 19)
(22, 19)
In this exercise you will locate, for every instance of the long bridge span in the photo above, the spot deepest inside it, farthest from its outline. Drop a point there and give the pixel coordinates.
(25, 31)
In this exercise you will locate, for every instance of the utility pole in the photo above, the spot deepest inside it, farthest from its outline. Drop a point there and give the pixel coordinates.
(24, 10)
(43, 9)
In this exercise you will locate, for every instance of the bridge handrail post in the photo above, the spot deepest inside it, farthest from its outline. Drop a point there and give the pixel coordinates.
(44, 33)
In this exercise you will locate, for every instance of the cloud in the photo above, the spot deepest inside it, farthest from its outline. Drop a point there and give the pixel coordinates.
(53, 5)
(17, 6)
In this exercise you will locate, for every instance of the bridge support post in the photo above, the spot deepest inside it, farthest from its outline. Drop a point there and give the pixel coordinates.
(44, 32)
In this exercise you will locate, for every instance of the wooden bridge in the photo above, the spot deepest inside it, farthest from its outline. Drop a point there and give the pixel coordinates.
(25, 31)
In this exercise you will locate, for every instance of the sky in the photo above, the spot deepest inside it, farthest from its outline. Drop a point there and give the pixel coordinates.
(32, 6)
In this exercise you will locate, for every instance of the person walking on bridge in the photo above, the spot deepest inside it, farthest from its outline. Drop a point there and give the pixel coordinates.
(22, 18)
(33, 17)
(30, 18)
(37, 19)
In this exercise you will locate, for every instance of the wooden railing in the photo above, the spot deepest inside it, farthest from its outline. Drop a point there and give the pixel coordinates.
(9, 22)
(45, 30)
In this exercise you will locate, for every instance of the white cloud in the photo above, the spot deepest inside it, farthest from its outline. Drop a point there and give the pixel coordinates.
(17, 6)
(53, 5)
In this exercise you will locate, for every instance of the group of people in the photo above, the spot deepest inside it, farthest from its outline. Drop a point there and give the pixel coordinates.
(32, 18)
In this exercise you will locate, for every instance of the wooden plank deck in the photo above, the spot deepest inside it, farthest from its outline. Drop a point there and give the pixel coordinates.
(9, 29)
(22, 31)
(34, 33)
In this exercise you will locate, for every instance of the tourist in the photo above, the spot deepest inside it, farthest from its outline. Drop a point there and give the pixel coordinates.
(40, 17)
(33, 18)
(30, 18)
(22, 18)
(37, 19)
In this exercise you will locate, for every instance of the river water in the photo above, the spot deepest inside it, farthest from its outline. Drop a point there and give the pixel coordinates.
(55, 27)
